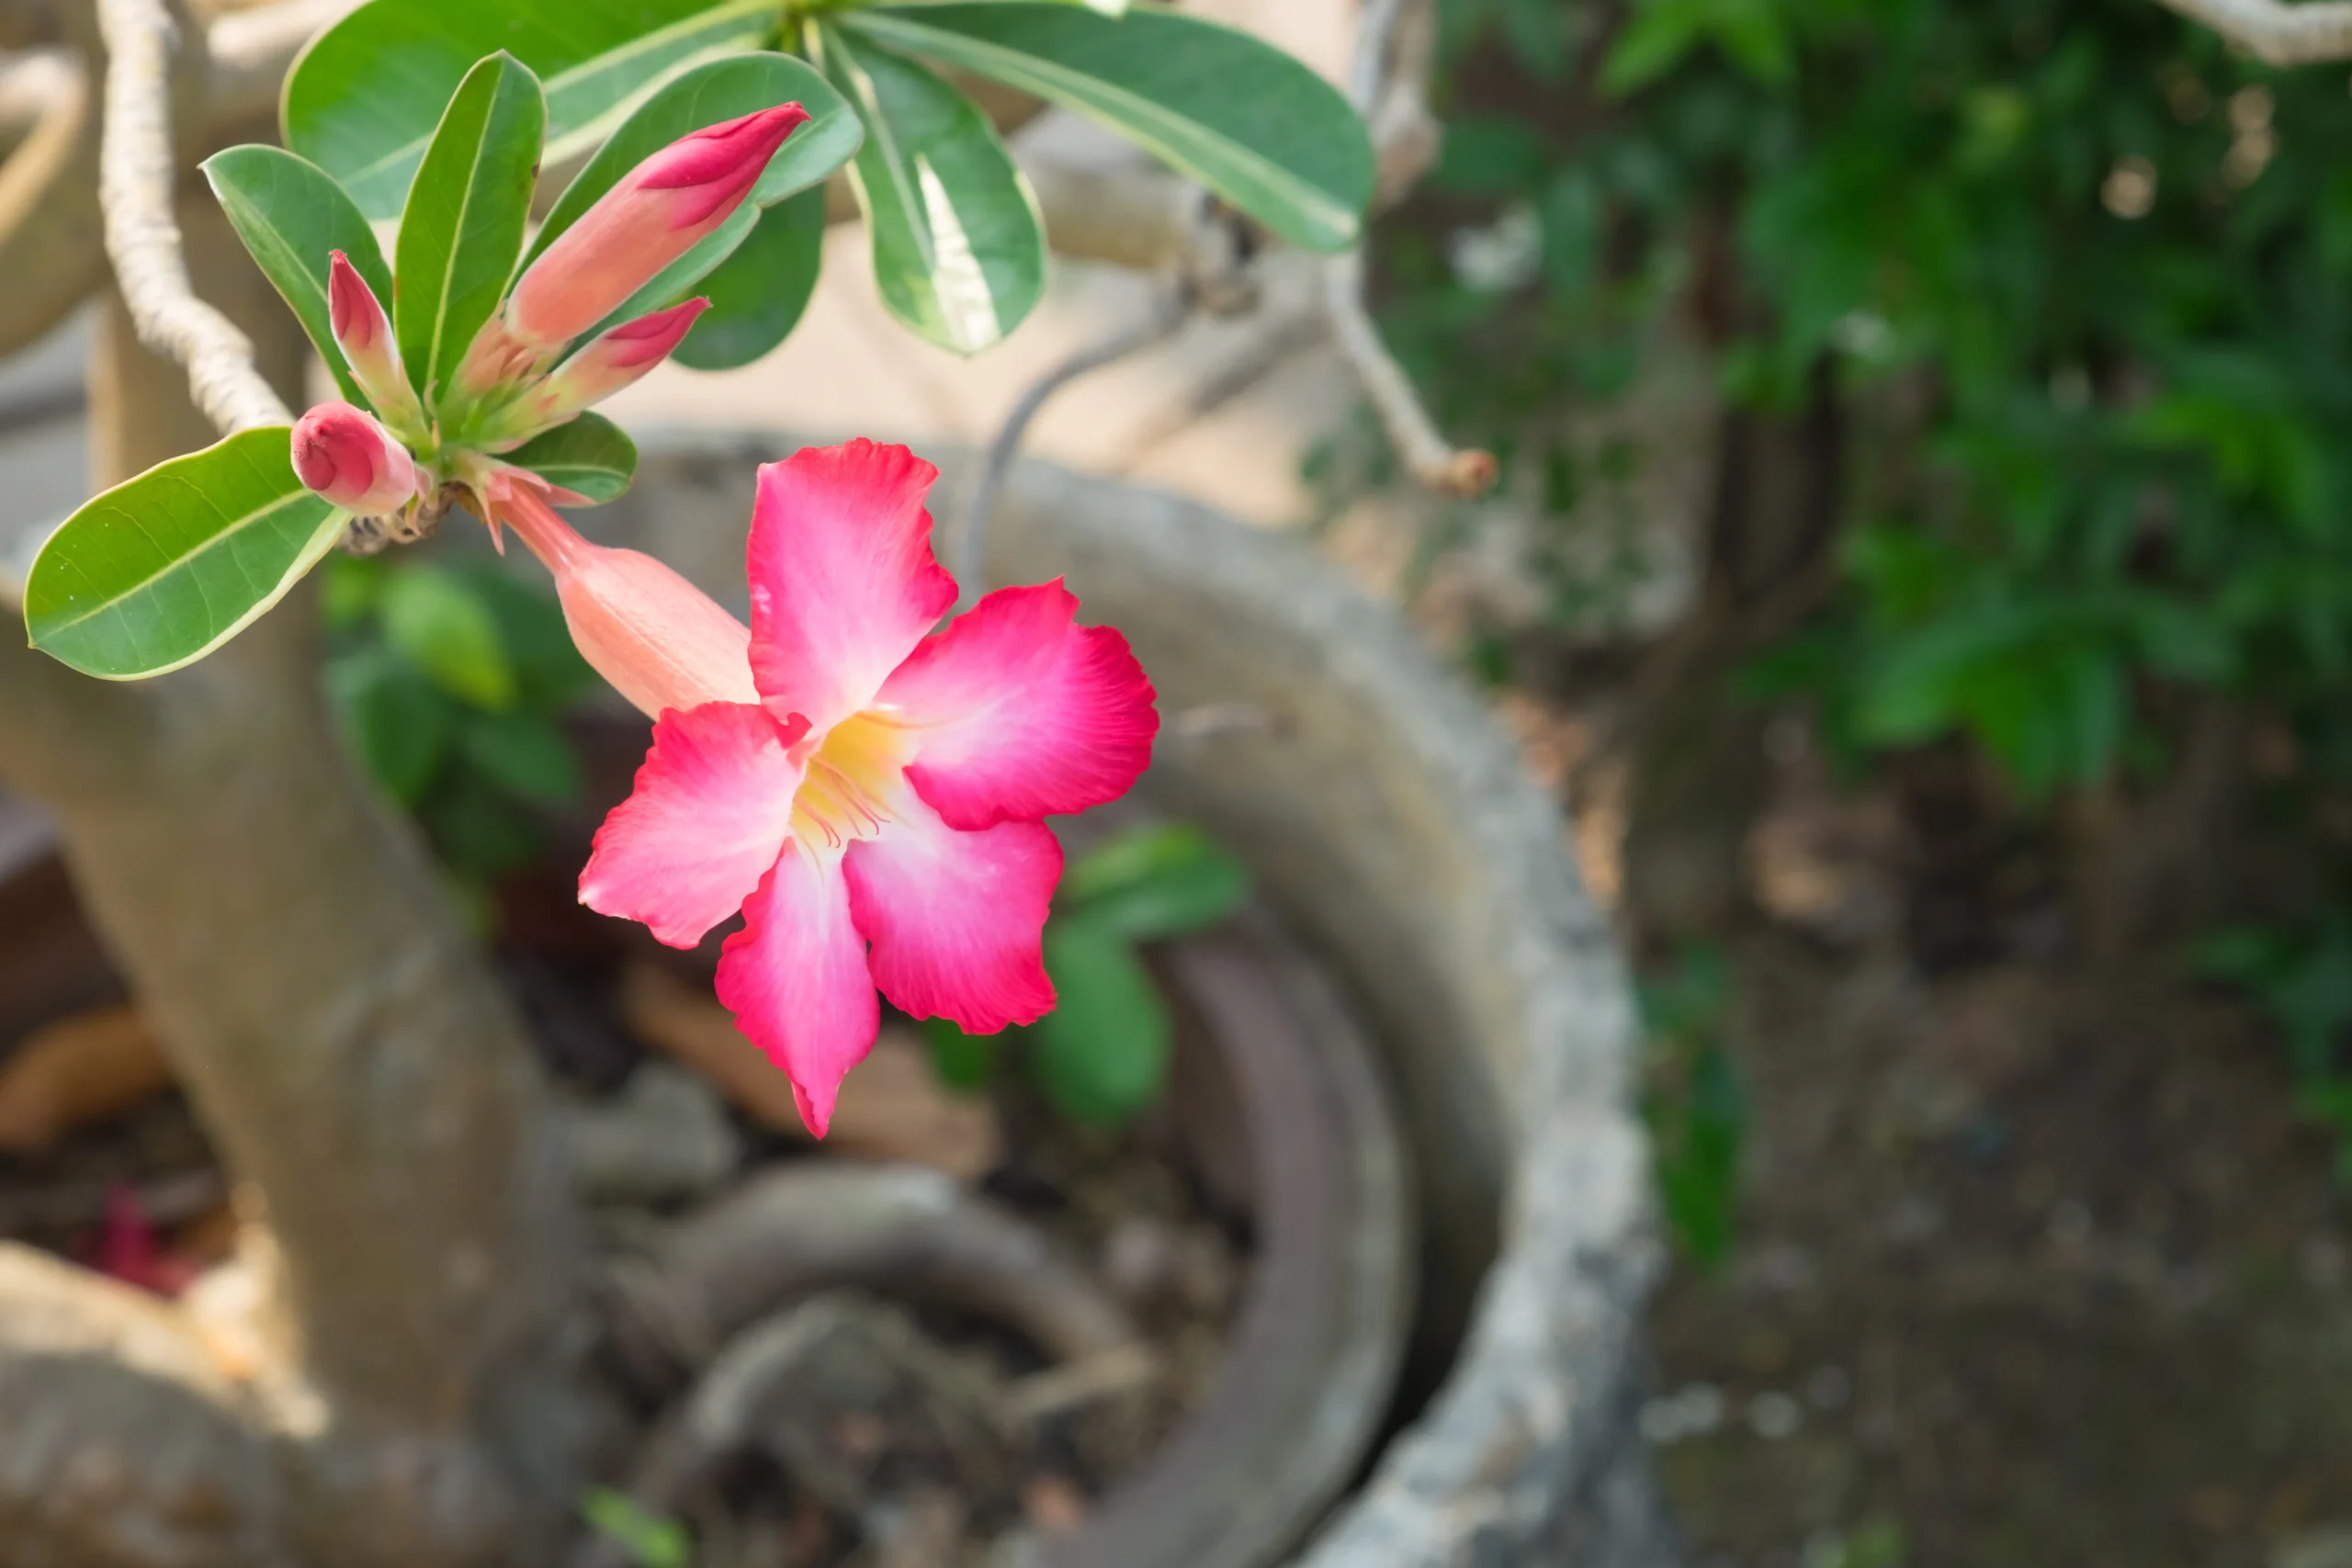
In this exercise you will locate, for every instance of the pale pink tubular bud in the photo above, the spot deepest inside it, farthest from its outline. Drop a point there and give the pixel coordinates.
(651, 217)
(612, 361)
(364, 333)
(659, 640)
(341, 453)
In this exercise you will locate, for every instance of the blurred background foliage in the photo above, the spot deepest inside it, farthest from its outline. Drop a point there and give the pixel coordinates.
(2052, 301)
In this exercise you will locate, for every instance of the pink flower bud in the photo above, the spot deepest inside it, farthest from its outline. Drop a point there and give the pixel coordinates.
(651, 217)
(365, 334)
(613, 360)
(659, 640)
(341, 453)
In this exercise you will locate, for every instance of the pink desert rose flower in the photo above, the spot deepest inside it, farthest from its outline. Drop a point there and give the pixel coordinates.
(869, 794)
(346, 456)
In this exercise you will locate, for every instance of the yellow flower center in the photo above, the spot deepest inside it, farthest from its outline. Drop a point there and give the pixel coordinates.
(846, 793)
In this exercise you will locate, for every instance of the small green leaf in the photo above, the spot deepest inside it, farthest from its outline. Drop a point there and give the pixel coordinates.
(292, 216)
(523, 754)
(439, 624)
(462, 228)
(1101, 1055)
(651, 1539)
(348, 587)
(394, 719)
(588, 454)
(1255, 125)
(165, 567)
(548, 670)
(964, 1063)
(480, 831)
(360, 101)
(959, 250)
(708, 95)
(757, 295)
(1156, 882)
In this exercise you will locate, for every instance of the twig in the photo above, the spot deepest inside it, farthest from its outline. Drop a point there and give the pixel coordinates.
(1389, 91)
(968, 548)
(2277, 33)
(136, 177)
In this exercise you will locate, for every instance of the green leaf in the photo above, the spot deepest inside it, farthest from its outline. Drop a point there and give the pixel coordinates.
(708, 95)
(442, 625)
(523, 754)
(548, 670)
(1101, 1055)
(959, 250)
(1255, 125)
(359, 101)
(650, 1540)
(165, 567)
(1156, 882)
(587, 454)
(462, 229)
(292, 214)
(757, 295)
(394, 719)
(480, 831)
(964, 1063)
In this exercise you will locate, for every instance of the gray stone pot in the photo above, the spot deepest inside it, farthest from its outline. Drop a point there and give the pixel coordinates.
(1387, 819)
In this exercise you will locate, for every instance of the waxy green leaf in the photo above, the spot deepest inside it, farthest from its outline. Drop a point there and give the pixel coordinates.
(292, 216)
(757, 295)
(959, 251)
(1246, 120)
(360, 102)
(588, 454)
(1101, 1055)
(436, 621)
(462, 229)
(165, 567)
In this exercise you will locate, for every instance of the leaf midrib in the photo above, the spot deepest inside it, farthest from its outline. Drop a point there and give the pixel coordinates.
(215, 541)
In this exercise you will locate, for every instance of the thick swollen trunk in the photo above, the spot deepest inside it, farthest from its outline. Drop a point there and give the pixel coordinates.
(351, 1055)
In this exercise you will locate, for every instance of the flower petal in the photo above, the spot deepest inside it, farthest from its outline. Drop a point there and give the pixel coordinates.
(843, 585)
(711, 812)
(955, 918)
(794, 978)
(1018, 713)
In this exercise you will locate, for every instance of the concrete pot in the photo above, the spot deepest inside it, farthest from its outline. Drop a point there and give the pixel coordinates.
(1387, 819)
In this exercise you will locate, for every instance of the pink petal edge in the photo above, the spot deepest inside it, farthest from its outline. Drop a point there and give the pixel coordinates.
(711, 812)
(843, 583)
(795, 977)
(1020, 713)
(955, 918)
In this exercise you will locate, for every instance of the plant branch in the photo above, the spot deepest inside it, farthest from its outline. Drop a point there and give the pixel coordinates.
(969, 538)
(137, 174)
(1388, 84)
(2275, 32)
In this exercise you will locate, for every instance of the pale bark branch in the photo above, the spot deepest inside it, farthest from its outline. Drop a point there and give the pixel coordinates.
(137, 174)
(1388, 84)
(2275, 32)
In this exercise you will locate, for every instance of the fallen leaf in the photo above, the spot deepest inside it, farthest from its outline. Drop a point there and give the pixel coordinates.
(892, 1105)
(76, 1072)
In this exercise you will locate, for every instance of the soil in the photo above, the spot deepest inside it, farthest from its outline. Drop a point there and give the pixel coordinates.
(2034, 1260)
(927, 1443)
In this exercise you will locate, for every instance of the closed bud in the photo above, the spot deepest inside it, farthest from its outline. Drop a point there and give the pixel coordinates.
(657, 213)
(612, 361)
(364, 333)
(346, 456)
